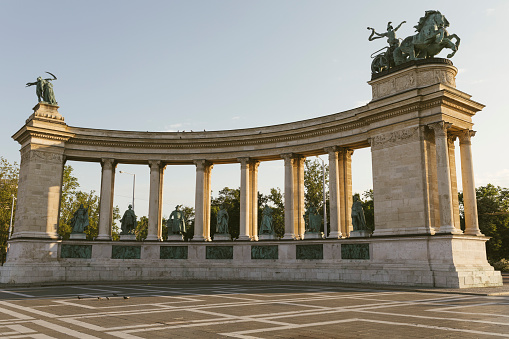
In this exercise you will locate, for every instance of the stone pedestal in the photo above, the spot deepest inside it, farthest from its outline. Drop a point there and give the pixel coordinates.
(127, 237)
(313, 235)
(267, 237)
(175, 237)
(222, 237)
(78, 236)
(360, 234)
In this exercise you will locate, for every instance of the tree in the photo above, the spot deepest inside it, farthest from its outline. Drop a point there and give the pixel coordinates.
(313, 183)
(493, 215)
(278, 211)
(9, 174)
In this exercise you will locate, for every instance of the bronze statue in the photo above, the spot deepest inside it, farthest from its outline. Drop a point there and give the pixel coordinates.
(313, 220)
(358, 219)
(80, 220)
(266, 225)
(177, 221)
(431, 38)
(44, 89)
(222, 221)
(128, 222)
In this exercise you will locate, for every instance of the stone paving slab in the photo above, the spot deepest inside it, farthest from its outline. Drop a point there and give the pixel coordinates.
(198, 309)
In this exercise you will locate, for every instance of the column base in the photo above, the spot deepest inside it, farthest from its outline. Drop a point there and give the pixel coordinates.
(290, 236)
(335, 235)
(474, 232)
(254, 238)
(103, 237)
(200, 238)
(449, 229)
(153, 238)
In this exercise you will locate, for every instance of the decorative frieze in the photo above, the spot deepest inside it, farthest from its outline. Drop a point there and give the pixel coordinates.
(173, 252)
(310, 252)
(394, 138)
(219, 252)
(355, 251)
(76, 251)
(125, 252)
(264, 252)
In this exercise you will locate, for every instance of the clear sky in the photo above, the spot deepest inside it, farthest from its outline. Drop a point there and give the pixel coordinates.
(194, 65)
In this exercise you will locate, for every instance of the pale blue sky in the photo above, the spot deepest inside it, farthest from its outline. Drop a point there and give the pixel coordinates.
(173, 65)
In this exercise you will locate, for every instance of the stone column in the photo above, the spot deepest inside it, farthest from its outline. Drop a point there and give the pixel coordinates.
(253, 176)
(334, 194)
(467, 176)
(155, 201)
(444, 178)
(299, 209)
(454, 181)
(202, 201)
(289, 198)
(106, 201)
(208, 180)
(345, 188)
(244, 231)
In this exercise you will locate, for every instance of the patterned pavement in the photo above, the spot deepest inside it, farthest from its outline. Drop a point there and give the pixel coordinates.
(246, 310)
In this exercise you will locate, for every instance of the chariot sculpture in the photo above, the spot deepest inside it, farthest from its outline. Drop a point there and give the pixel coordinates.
(432, 36)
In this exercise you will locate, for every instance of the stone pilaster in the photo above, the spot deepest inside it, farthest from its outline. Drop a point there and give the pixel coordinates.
(155, 201)
(454, 181)
(467, 176)
(334, 194)
(202, 201)
(106, 201)
(289, 197)
(444, 178)
(245, 170)
(39, 188)
(253, 177)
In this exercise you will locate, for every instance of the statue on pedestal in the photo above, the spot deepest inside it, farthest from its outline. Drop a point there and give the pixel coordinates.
(266, 225)
(80, 220)
(222, 221)
(358, 220)
(128, 222)
(431, 38)
(313, 220)
(44, 89)
(177, 221)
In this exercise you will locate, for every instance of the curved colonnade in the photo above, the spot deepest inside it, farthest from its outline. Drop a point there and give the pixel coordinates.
(411, 124)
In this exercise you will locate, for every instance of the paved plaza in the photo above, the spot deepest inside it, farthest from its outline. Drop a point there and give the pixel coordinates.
(247, 310)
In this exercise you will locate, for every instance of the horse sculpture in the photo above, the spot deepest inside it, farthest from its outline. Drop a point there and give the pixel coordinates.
(431, 38)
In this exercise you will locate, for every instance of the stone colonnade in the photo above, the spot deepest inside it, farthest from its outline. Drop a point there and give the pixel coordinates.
(340, 189)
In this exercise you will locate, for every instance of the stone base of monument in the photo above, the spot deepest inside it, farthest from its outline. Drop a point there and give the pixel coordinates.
(78, 236)
(175, 237)
(222, 237)
(267, 237)
(313, 235)
(448, 261)
(127, 237)
(360, 234)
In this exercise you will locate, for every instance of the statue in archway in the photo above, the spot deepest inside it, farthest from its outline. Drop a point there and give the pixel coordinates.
(80, 220)
(177, 221)
(44, 89)
(358, 219)
(267, 224)
(222, 221)
(128, 222)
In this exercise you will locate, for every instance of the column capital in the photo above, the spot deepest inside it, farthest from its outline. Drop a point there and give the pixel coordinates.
(244, 161)
(108, 163)
(451, 138)
(440, 128)
(331, 149)
(154, 164)
(465, 136)
(202, 164)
